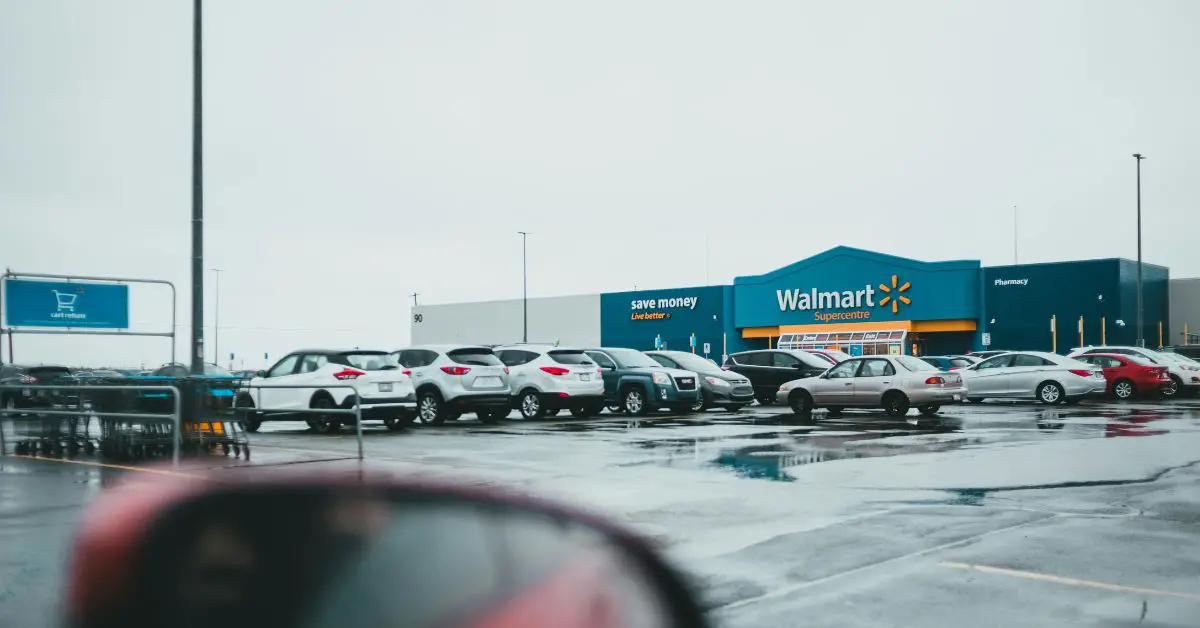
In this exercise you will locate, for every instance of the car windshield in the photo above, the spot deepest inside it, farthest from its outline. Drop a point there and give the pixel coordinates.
(915, 364)
(371, 360)
(1176, 358)
(570, 356)
(477, 356)
(628, 358)
(811, 359)
(693, 362)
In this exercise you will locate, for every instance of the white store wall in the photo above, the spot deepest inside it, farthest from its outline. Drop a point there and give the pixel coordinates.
(573, 320)
(1184, 296)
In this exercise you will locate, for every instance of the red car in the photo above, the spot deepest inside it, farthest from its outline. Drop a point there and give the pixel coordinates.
(1129, 375)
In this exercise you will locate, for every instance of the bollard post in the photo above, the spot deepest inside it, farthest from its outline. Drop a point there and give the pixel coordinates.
(358, 423)
(178, 432)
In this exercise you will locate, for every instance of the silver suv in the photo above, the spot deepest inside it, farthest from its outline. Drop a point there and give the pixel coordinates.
(546, 379)
(452, 379)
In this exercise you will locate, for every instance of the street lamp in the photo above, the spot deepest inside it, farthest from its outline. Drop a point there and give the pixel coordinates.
(217, 315)
(524, 290)
(1141, 341)
(197, 361)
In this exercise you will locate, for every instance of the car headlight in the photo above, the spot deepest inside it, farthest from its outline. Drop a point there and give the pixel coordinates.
(717, 381)
(1189, 367)
(662, 379)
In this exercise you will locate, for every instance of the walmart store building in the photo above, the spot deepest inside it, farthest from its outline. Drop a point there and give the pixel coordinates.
(858, 301)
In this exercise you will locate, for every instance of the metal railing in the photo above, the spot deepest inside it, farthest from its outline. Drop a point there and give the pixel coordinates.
(85, 410)
(355, 411)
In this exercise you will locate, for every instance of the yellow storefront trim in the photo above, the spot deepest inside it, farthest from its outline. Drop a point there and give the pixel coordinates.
(909, 326)
(964, 324)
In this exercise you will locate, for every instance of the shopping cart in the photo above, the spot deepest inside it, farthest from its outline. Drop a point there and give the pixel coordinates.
(66, 301)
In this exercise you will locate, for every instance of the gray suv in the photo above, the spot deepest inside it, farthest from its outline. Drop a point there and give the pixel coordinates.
(452, 379)
(718, 387)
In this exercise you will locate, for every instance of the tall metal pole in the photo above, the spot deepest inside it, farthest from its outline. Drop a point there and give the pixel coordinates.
(1016, 258)
(414, 296)
(1141, 340)
(197, 364)
(524, 290)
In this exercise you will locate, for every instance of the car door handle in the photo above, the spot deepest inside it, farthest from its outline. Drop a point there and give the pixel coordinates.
(887, 381)
(848, 384)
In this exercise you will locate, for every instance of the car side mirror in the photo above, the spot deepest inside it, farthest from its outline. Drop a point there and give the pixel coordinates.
(260, 373)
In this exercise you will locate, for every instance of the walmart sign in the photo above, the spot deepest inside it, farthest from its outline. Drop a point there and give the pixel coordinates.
(65, 304)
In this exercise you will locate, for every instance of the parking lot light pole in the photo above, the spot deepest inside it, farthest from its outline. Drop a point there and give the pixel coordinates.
(1141, 340)
(197, 362)
(524, 290)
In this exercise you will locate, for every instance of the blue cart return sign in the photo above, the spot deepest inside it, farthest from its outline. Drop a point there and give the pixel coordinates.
(65, 304)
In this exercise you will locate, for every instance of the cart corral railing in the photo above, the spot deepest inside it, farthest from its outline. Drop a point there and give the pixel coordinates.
(355, 410)
(65, 406)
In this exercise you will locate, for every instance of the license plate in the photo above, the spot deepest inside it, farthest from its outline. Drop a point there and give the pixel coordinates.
(958, 397)
(385, 387)
(487, 382)
(585, 377)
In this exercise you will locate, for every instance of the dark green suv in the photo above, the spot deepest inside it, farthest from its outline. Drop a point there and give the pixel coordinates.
(638, 385)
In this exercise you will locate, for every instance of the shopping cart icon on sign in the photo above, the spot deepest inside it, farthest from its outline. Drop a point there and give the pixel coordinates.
(66, 301)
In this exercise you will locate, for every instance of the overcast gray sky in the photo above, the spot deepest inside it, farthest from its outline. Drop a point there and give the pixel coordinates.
(360, 151)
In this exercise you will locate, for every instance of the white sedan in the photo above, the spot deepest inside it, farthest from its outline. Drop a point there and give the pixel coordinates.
(325, 378)
(1047, 377)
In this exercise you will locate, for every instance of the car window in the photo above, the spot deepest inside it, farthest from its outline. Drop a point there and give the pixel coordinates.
(844, 370)
(367, 360)
(312, 362)
(914, 364)
(876, 368)
(631, 358)
(663, 360)
(602, 360)
(474, 356)
(758, 358)
(285, 366)
(960, 362)
(695, 363)
(1024, 359)
(1000, 361)
(516, 357)
(933, 361)
(570, 356)
(783, 360)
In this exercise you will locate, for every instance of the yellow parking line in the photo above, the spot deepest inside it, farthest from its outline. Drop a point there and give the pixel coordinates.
(106, 465)
(1032, 575)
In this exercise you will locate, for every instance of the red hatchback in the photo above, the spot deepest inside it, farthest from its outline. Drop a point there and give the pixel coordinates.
(1129, 375)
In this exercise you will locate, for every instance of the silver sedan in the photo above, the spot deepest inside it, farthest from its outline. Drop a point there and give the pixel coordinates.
(892, 382)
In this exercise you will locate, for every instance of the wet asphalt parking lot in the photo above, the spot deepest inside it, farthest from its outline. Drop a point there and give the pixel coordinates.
(994, 514)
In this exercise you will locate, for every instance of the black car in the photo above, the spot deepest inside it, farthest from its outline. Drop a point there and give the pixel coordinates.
(39, 375)
(769, 369)
(718, 387)
(1187, 351)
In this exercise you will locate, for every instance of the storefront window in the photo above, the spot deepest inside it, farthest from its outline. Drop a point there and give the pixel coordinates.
(888, 342)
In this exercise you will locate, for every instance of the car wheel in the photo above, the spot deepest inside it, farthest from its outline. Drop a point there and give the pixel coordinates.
(243, 406)
(635, 402)
(1050, 393)
(929, 409)
(895, 403)
(1174, 389)
(324, 423)
(430, 408)
(531, 405)
(800, 402)
(701, 404)
(615, 408)
(1122, 389)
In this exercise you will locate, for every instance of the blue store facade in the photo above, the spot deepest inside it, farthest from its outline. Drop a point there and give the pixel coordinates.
(868, 303)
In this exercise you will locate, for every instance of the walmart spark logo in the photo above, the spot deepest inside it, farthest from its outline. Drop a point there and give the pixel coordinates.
(894, 295)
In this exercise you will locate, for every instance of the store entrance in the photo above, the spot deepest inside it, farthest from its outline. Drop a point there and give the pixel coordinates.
(883, 342)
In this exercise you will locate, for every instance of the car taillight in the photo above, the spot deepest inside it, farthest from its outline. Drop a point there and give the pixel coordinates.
(345, 374)
(28, 379)
(455, 370)
(506, 370)
(935, 380)
(555, 370)
(407, 372)
(1081, 372)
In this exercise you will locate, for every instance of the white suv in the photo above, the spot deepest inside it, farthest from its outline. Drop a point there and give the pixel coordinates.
(453, 379)
(546, 379)
(316, 378)
(1184, 373)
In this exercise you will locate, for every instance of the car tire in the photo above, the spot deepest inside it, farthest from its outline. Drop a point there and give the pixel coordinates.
(244, 408)
(431, 410)
(929, 409)
(700, 406)
(530, 405)
(615, 408)
(896, 404)
(764, 400)
(324, 423)
(800, 402)
(1175, 389)
(1050, 393)
(634, 401)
